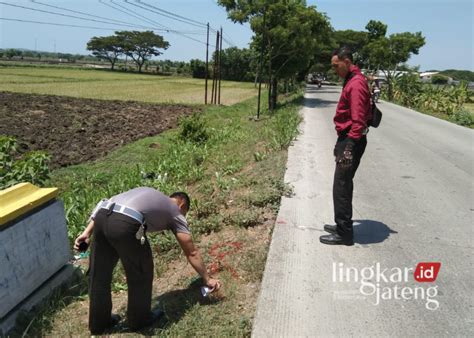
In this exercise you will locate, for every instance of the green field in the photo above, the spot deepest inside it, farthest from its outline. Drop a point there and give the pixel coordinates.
(107, 85)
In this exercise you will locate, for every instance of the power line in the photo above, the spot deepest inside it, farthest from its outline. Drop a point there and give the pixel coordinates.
(56, 24)
(78, 12)
(227, 40)
(169, 30)
(165, 15)
(174, 16)
(69, 16)
(128, 11)
(171, 13)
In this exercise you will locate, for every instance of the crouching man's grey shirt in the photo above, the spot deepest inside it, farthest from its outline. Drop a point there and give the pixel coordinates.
(159, 211)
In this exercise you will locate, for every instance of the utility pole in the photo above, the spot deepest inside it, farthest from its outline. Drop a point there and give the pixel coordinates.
(207, 62)
(220, 69)
(260, 66)
(214, 75)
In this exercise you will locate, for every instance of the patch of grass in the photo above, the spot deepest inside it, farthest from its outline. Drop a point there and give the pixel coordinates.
(96, 84)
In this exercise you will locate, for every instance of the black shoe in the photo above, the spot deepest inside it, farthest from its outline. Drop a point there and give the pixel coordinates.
(156, 314)
(332, 229)
(114, 320)
(335, 239)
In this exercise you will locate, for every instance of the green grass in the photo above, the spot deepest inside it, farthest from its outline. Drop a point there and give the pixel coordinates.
(107, 85)
(469, 107)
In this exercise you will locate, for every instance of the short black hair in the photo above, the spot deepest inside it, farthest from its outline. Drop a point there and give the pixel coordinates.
(343, 52)
(183, 196)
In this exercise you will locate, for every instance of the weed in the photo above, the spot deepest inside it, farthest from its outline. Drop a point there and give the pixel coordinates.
(205, 226)
(193, 129)
(245, 218)
(31, 167)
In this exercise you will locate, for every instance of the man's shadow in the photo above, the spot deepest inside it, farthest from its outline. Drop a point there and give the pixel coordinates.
(174, 305)
(371, 232)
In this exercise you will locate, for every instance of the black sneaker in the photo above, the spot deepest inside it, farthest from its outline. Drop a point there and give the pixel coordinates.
(335, 239)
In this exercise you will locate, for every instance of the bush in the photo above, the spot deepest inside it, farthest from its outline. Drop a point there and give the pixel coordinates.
(463, 118)
(32, 167)
(193, 128)
(439, 79)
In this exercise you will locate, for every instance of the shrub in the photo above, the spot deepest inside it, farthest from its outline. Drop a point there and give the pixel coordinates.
(32, 167)
(439, 79)
(193, 128)
(463, 118)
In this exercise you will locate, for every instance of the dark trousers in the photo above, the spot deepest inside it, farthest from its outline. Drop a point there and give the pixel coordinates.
(343, 186)
(114, 238)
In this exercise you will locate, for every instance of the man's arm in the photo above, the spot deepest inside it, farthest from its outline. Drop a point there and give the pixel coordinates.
(359, 101)
(195, 259)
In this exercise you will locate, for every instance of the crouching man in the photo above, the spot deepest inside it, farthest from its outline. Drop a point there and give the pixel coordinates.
(119, 227)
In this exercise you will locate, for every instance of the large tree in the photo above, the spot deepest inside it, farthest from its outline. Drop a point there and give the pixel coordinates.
(140, 46)
(106, 47)
(289, 30)
(389, 53)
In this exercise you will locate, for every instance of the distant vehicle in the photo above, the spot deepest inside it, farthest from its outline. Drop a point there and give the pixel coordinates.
(316, 79)
(375, 94)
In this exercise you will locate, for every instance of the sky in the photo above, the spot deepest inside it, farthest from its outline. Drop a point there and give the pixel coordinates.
(446, 24)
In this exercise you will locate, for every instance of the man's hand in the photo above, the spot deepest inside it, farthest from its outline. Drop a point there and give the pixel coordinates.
(213, 284)
(345, 161)
(82, 238)
(85, 236)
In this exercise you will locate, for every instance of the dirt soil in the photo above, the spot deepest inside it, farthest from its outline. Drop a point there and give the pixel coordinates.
(74, 130)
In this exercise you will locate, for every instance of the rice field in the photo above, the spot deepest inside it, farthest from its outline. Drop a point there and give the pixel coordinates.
(107, 85)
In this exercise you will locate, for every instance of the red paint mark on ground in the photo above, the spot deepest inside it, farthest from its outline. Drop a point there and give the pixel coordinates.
(219, 252)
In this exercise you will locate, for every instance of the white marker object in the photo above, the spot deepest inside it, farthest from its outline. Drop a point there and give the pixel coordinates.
(205, 291)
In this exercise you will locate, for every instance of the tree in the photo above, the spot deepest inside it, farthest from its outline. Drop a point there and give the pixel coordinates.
(198, 68)
(289, 30)
(140, 46)
(387, 54)
(10, 53)
(106, 47)
(376, 30)
(236, 64)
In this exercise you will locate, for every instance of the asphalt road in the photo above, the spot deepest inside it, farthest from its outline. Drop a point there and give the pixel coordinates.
(413, 202)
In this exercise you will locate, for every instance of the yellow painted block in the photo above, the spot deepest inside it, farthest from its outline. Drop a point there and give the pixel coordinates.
(21, 198)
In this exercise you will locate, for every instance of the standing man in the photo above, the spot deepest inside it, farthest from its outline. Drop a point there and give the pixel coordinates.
(352, 115)
(119, 226)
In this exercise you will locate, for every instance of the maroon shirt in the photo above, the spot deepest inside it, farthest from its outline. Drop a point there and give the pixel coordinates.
(353, 110)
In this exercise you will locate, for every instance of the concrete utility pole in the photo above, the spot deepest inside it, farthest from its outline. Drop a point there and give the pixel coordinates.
(260, 67)
(207, 62)
(220, 69)
(214, 75)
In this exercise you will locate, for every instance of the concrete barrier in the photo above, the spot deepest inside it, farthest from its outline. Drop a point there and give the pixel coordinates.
(33, 248)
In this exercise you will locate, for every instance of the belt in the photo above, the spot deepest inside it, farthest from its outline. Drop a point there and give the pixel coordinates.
(122, 209)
